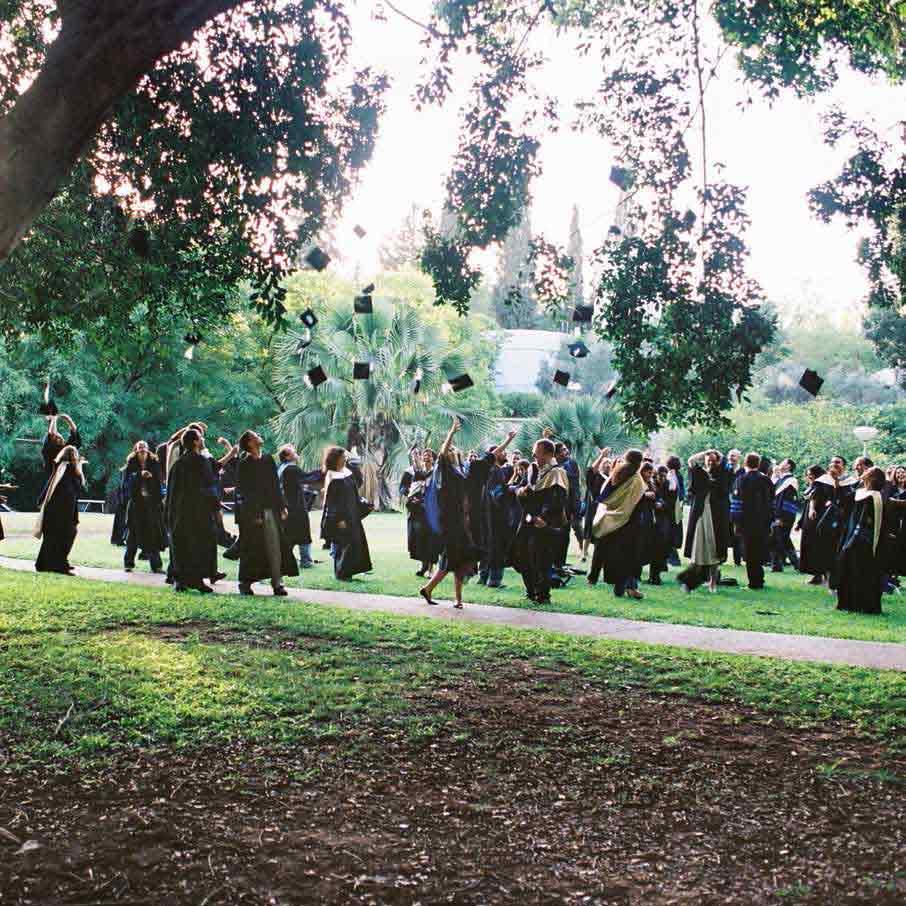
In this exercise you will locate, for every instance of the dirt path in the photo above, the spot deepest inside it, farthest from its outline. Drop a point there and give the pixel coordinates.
(544, 790)
(876, 655)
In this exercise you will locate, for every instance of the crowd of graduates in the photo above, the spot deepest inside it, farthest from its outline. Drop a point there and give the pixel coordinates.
(479, 513)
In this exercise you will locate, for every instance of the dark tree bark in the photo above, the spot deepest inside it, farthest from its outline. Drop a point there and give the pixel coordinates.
(102, 51)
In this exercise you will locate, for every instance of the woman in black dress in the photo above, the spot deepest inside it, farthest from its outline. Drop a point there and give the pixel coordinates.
(264, 549)
(58, 519)
(193, 498)
(144, 519)
(810, 559)
(858, 570)
(341, 519)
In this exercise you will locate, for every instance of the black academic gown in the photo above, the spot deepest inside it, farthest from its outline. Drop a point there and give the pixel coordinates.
(460, 553)
(497, 533)
(476, 479)
(144, 512)
(535, 550)
(718, 484)
(342, 505)
(294, 481)
(259, 489)
(594, 481)
(423, 545)
(827, 499)
(858, 567)
(193, 497)
(60, 524)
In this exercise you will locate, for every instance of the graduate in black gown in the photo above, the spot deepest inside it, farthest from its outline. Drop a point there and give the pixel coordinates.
(298, 491)
(573, 499)
(859, 569)
(496, 532)
(423, 545)
(264, 549)
(751, 510)
(341, 519)
(810, 558)
(617, 527)
(144, 519)
(785, 512)
(193, 497)
(539, 541)
(58, 519)
(595, 476)
(832, 498)
(448, 507)
(675, 497)
(661, 540)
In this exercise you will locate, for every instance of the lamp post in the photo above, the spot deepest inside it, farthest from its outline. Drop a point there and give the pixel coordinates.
(865, 433)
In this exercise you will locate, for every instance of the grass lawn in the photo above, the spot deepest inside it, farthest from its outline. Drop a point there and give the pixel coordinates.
(789, 605)
(157, 748)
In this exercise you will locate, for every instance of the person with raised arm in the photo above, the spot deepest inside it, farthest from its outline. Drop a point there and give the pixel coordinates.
(422, 544)
(447, 508)
(54, 442)
(58, 518)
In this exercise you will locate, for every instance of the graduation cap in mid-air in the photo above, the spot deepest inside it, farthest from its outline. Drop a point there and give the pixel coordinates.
(416, 386)
(463, 382)
(561, 378)
(359, 231)
(361, 371)
(316, 376)
(615, 231)
(48, 406)
(192, 338)
(621, 177)
(578, 350)
(317, 259)
(363, 305)
(583, 314)
(810, 382)
(368, 290)
(308, 318)
(611, 389)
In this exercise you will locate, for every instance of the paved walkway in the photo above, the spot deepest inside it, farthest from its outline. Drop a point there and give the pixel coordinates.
(877, 655)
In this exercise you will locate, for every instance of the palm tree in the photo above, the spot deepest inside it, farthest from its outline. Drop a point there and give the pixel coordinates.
(585, 423)
(381, 417)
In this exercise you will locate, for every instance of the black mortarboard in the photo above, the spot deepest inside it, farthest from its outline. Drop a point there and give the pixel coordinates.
(811, 382)
(368, 290)
(363, 305)
(416, 385)
(578, 350)
(621, 177)
(611, 389)
(615, 231)
(317, 259)
(463, 382)
(359, 231)
(316, 376)
(308, 318)
(193, 339)
(48, 406)
(561, 378)
(583, 314)
(361, 371)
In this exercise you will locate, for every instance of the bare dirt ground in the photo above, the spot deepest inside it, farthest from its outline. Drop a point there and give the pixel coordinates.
(541, 789)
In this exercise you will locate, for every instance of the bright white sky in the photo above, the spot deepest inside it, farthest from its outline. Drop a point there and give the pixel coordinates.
(778, 152)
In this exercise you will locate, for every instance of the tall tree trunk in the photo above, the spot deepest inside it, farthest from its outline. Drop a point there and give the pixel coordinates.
(103, 49)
